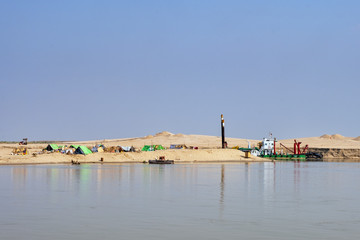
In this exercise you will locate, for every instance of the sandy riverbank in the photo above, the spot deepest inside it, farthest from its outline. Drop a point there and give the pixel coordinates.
(208, 149)
(180, 156)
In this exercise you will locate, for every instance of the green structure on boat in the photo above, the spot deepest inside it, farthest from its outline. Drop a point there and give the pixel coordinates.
(288, 157)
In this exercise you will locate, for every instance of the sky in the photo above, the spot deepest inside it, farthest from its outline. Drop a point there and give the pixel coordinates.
(85, 70)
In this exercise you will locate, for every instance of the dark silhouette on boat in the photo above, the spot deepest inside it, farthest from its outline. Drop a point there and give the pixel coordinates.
(161, 160)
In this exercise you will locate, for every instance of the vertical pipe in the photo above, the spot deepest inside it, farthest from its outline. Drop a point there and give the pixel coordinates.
(299, 151)
(295, 144)
(274, 146)
(222, 131)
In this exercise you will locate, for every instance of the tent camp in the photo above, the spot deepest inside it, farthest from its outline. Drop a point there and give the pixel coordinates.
(82, 150)
(152, 147)
(178, 146)
(113, 149)
(52, 147)
(127, 149)
(98, 148)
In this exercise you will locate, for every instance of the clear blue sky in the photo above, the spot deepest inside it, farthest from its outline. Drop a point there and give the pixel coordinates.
(77, 70)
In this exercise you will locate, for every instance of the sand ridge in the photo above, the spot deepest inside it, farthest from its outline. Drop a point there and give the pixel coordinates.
(357, 138)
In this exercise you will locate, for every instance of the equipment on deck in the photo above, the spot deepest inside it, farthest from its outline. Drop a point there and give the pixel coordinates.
(297, 149)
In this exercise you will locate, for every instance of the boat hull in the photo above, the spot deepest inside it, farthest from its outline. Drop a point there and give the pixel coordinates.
(161, 161)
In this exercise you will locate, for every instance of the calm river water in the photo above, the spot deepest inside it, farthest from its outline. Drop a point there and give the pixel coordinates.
(282, 200)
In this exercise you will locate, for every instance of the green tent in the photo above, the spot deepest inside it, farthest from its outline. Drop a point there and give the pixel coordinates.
(74, 146)
(152, 147)
(147, 148)
(158, 147)
(52, 147)
(83, 150)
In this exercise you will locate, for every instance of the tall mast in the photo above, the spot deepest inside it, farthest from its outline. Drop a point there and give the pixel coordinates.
(222, 131)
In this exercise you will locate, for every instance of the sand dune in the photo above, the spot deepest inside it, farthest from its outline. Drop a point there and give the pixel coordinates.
(337, 137)
(334, 136)
(164, 134)
(326, 136)
(325, 141)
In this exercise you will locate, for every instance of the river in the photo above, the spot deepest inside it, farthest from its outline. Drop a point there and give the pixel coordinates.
(282, 200)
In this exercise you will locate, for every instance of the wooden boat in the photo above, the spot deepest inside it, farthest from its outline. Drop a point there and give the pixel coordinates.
(161, 160)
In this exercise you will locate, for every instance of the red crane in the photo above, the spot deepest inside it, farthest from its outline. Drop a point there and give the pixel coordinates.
(297, 149)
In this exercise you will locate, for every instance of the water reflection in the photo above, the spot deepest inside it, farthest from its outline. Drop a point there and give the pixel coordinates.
(222, 184)
(269, 179)
(87, 179)
(222, 189)
(19, 175)
(297, 177)
(137, 201)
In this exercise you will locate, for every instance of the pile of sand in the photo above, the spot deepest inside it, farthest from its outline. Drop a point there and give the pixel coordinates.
(164, 134)
(337, 137)
(357, 138)
(334, 136)
(179, 135)
(326, 136)
(149, 136)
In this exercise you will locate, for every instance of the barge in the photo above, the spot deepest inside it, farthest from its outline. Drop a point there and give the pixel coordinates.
(267, 149)
(161, 160)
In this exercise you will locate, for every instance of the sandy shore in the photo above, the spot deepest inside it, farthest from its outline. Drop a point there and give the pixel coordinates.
(180, 156)
(208, 149)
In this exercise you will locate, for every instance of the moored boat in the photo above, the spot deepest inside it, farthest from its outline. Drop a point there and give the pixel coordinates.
(161, 160)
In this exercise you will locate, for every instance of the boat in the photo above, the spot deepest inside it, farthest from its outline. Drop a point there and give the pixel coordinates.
(161, 160)
(267, 149)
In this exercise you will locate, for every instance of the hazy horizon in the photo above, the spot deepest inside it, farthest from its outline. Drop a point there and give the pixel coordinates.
(154, 134)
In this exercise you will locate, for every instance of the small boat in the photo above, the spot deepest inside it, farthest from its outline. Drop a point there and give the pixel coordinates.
(161, 160)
